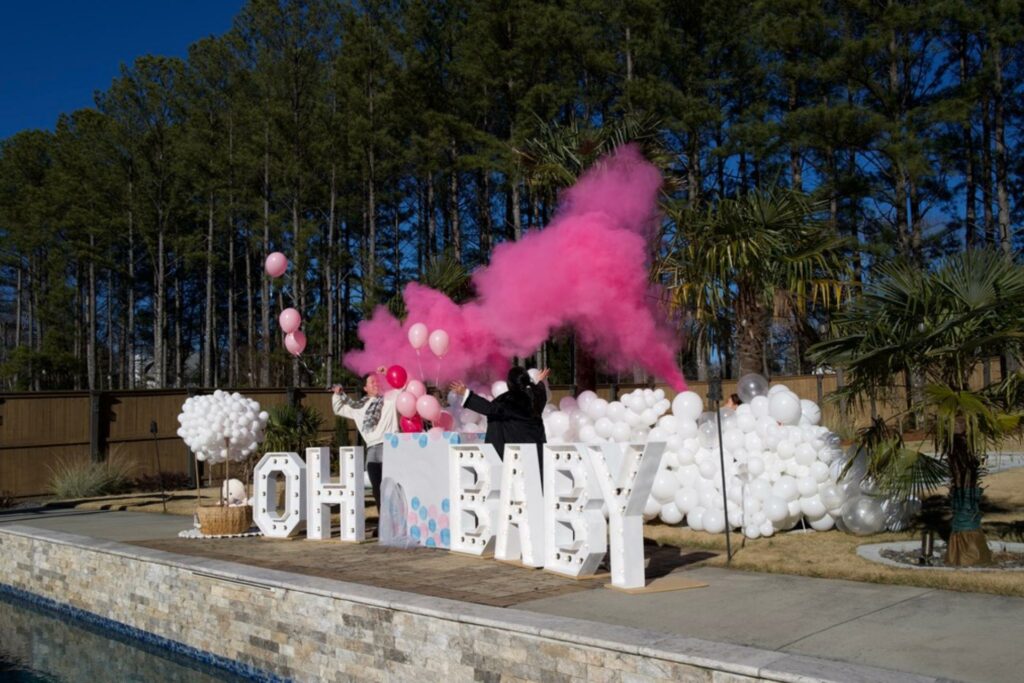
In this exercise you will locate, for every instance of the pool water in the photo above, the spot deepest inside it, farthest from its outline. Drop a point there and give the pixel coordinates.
(39, 645)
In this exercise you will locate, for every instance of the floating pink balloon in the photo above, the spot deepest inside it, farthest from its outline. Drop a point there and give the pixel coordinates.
(276, 264)
(439, 342)
(418, 336)
(295, 342)
(445, 421)
(416, 388)
(397, 376)
(406, 404)
(289, 320)
(428, 407)
(411, 424)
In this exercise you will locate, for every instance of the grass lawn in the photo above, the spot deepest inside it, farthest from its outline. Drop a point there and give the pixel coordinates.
(828, 555)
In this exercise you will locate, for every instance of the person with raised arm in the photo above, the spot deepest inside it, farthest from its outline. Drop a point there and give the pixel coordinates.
(515, 416)
(375, 415)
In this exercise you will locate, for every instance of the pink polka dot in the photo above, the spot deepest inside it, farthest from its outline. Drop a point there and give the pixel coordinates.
(413, 519)
(424, 531)
(443, 522)
(436, 539)
(432, 511)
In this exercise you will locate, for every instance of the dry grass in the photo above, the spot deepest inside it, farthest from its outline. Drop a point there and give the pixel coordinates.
(833, 555)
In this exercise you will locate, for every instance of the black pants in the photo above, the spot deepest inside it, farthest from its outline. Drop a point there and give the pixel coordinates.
(376, 471)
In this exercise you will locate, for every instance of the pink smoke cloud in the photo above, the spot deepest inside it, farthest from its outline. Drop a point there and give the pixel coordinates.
(587, 270)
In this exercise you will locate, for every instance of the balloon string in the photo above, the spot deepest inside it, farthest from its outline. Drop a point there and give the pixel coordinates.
(419, 362)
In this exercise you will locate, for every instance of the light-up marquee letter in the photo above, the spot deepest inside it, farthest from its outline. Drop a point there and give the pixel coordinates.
(575, 529)
(473, 473)
(625, 474)
(346, 493)
(265, 489)
(521, 515)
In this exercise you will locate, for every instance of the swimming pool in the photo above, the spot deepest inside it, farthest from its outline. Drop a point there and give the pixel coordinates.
(40, 644)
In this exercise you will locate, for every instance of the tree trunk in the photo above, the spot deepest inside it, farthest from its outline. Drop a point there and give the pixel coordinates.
(208, 317)
(1004, 237)
(986, 172)
(90, 344)
(970, 219)
(795, 163)
(751, 322)
(517, 213)
(131, 292)
(297, 280)
(110, 329)
(250, 312)
(178, 348)
(159, 353)
(232, 322)
(329, 276)
(455, 224)
(967, 543)
(265, 299)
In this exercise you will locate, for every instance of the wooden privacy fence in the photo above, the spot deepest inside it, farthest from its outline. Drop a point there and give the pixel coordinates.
(41, 428)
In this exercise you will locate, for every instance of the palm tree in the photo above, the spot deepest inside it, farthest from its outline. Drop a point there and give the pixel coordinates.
(937, 325)
(761, 255)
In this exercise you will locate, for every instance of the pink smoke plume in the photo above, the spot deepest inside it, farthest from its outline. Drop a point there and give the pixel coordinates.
(587, 270)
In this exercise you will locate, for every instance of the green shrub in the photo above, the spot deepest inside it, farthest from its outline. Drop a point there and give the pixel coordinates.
(292, 429)
(82, 479)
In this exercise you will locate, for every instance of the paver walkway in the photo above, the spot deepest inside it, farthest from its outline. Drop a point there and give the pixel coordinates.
(961, 636)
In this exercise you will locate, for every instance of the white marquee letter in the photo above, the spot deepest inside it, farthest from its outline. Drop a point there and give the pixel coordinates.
(265, 489)
(521, 515)
(626, 479)
(345, 493)
(473, 473)
(575, 529)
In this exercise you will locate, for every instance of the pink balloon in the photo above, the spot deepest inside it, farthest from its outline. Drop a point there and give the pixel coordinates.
(416, 388)
(397, 376)
(445, 421)
(406, 404)
(418, 336)
(276, 264)
(295, 342)
(439, 342)
(428, 407)
(289, 320)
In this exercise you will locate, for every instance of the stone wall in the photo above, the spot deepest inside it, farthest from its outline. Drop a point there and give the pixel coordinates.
(313, 629)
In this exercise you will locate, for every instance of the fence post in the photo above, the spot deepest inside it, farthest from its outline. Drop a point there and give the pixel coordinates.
(95, 438)
(193, 465)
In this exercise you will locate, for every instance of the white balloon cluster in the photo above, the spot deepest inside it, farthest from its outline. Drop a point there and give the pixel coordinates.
(222, 426)
(780, 465)
(465, 420)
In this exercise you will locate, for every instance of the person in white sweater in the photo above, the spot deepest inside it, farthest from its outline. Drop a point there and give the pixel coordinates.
(375, 415)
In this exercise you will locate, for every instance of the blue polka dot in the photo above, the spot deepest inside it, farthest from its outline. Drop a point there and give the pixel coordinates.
(415, 532)
(432, 525)
(394, 441)
(423, 512)
(446, 537)
(445, 505)
(430, 543)
(453, 437)
(423, 441)
(415, 503)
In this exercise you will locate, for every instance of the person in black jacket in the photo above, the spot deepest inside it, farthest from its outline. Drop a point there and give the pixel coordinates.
(515, 416)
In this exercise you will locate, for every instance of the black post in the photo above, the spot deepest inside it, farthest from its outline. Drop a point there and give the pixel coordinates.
(95, 409)
(192, 463)
(159, 468)
(715, 396)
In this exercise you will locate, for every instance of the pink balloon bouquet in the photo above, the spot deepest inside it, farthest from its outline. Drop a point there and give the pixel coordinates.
(416, 388)
(289, 320)
(295, 342)
(276, 264)
(445, 421)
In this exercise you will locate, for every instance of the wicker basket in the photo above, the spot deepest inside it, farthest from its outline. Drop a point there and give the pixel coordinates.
(215, 520)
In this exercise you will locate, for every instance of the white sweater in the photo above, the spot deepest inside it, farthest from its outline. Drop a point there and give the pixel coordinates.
(388, 422)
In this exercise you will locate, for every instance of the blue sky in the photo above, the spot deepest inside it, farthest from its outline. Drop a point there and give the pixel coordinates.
(54, 55)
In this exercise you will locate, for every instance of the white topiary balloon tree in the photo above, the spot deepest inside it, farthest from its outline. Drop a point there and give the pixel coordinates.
(222, 427)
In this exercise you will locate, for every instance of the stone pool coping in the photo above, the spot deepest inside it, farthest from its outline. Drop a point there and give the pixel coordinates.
(721, 662)
(873, 553)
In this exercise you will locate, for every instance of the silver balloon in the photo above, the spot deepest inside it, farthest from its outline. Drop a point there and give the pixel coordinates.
(863, 516)
(897, 513)
(751, 386)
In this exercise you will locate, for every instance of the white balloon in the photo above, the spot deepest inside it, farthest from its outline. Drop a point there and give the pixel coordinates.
(597, 408)
(566, 404)
(775, 509)
(823, 523)
(810, 412)
(604, 427)
(812, 507)
(713, 521)
(694, 518)
(784, 406)
(620, 432)
(687, 406)
(558, 425)
(651, 509)
(616, 411)
(670, 514)
(807, 486)
(686, 499)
